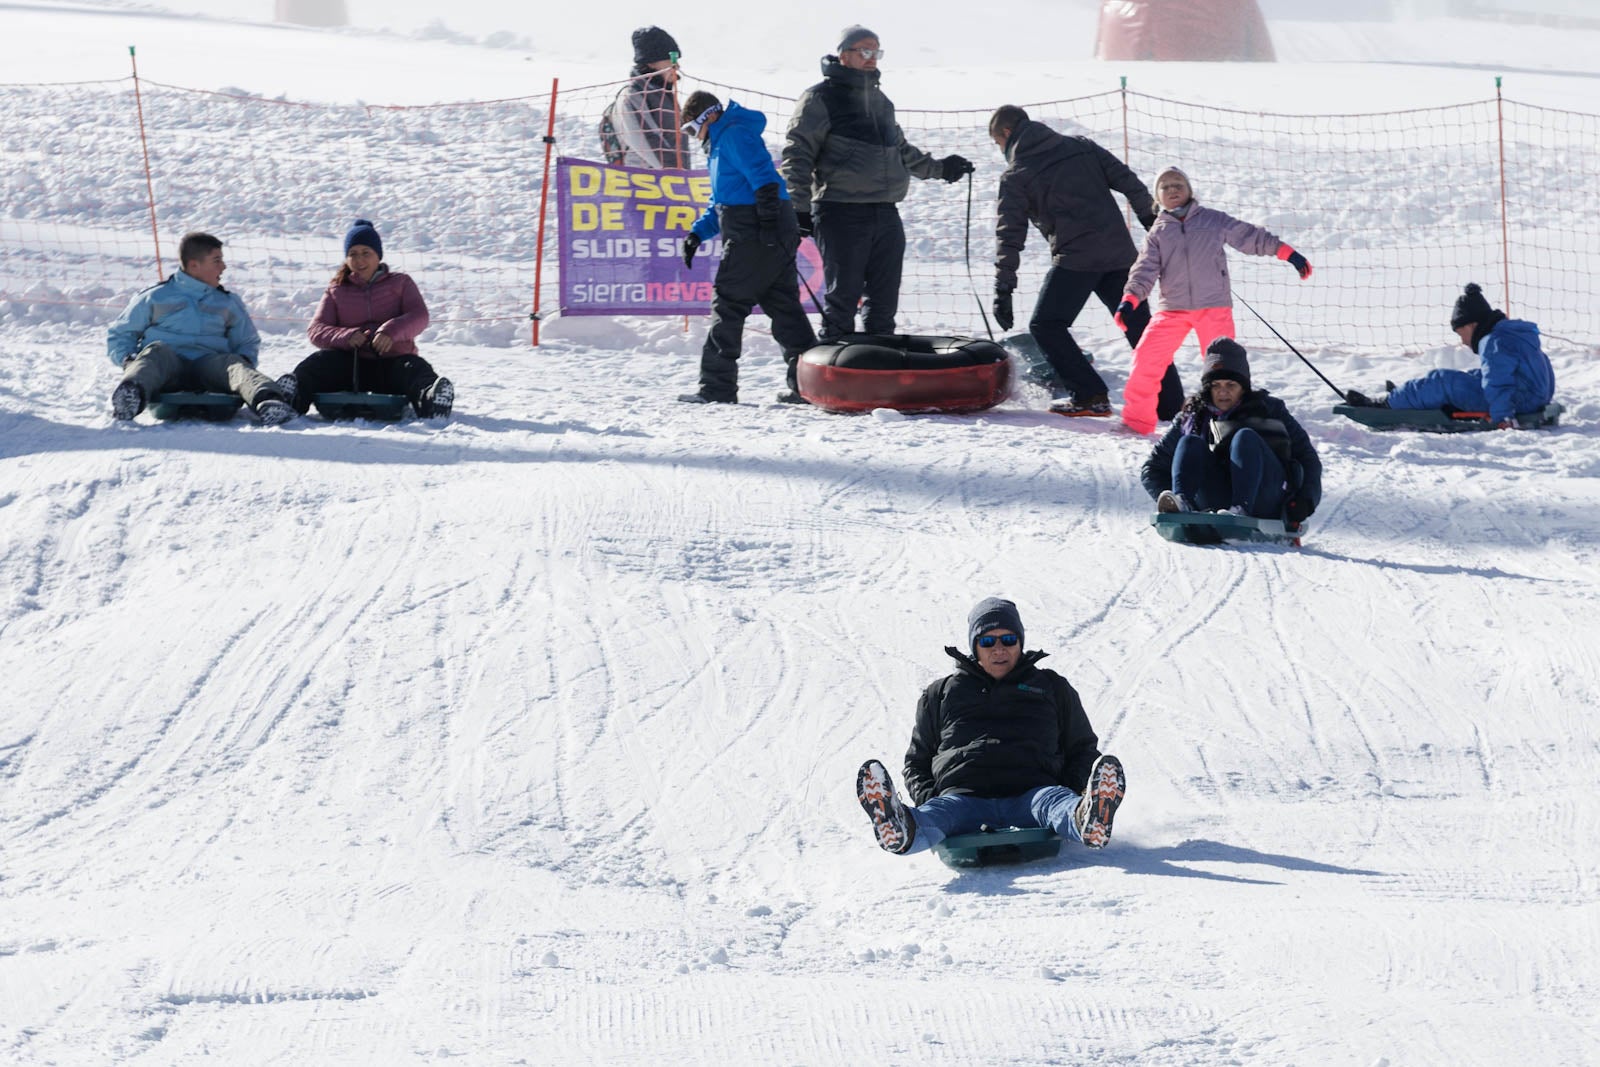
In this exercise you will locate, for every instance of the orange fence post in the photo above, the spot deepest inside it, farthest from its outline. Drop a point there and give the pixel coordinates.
(1505, 230)
(544, 199)
(149, 185)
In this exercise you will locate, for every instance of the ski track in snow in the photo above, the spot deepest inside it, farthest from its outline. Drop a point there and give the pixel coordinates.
(530, 736)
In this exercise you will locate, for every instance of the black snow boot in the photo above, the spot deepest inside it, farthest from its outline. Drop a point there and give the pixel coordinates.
(1106, 787)
(1362, 400)
(894, 824)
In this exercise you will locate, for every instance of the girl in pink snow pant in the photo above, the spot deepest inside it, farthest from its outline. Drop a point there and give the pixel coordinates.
(1187, 252)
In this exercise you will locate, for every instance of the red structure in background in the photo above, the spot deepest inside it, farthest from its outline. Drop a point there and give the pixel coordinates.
(1197, 30)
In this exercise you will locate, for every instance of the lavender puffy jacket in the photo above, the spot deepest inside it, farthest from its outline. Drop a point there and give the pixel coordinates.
(389, 302)
(1189, 256)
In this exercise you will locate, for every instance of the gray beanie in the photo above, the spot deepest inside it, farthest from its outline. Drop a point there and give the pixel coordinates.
(993, 613)
(852, 35)
(1225, 359)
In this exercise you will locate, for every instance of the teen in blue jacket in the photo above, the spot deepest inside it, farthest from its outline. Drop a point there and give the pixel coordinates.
(750, 208)
(191, 334)
(1514, 375)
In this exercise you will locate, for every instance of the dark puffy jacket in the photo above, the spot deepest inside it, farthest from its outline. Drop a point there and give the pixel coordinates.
(645, 118)
(1063, 186)
(1262, 412)
(844, 145)
(982, 737)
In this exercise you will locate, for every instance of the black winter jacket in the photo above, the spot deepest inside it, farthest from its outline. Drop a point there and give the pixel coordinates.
(1262, 412)
(1063, 186)
(979, 736)
(844, 145)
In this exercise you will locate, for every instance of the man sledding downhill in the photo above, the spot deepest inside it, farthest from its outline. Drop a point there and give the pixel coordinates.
(1000, 742)
(1186, 250)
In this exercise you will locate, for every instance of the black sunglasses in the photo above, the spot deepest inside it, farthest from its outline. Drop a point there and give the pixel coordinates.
(988, 640)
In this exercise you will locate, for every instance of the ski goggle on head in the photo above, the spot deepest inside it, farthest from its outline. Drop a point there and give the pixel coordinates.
(698, 123)
(990, 640)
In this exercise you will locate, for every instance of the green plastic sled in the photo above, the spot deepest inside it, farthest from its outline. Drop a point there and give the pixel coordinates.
(991, 847)
(1434, 420)
(213, 407)
(385, 406)
(1212, 528)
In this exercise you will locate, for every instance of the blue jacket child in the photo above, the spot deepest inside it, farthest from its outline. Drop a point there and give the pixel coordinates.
(1514, 375)
(750, 208)
(191, 334)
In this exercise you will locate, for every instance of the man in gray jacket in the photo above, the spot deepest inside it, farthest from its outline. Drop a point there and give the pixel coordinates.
(847, 164)
(1063, 185)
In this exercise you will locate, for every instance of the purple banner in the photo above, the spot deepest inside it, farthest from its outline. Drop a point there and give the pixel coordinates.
(621, 231)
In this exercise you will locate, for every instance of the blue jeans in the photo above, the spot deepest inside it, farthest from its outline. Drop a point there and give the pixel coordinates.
(1251, 477)
(948, 815)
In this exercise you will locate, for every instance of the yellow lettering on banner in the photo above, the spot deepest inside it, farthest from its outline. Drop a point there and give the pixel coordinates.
(651, 212)
(681, 218)
(700, 189)
(672, 186)
(585, 181)
(611, 216)
(644, 187)
(617, 183)
(585, 216)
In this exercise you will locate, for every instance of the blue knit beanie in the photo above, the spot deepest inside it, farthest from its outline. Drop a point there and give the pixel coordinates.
(990, 614)
(362, 232)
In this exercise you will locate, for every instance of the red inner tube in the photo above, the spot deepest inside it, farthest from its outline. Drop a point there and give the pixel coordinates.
(905, 372)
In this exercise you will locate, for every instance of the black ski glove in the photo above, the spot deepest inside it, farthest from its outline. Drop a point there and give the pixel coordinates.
(803, 219)
(690, 243)
(955, 168)
(1002, 309)
(1297, 510)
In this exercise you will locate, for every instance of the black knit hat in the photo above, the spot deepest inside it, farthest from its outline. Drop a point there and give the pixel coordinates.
(362, 232)
(1471, 307)
(1225, 359)
(993, 613)
(853, 35)
(652, 44)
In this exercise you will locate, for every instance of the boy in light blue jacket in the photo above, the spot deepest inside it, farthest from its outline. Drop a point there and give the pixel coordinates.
(190, 334)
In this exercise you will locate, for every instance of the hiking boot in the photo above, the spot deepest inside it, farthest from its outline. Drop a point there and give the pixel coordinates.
(439, 399)
(289, 386)
(1092, 817)
(701, 398)
(127, 400)
(894, 824)
(273, 411)
(1170, 503)
(1094, 407)
(1362, 400)
(792, 396)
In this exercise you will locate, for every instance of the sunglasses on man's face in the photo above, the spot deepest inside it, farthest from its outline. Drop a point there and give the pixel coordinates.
(989, 640)
(867, 53)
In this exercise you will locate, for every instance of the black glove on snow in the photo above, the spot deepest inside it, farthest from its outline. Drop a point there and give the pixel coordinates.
(955, 168)
(1297, 510)
(803, 218)
(1002, 308)
(690, 243)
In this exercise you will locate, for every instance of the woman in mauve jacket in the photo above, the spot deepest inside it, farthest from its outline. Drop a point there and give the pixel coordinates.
(365, 330)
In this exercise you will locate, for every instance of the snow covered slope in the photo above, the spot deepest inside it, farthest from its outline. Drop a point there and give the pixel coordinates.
(531, 737)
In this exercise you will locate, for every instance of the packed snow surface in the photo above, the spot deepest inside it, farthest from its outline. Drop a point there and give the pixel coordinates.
(530, 736)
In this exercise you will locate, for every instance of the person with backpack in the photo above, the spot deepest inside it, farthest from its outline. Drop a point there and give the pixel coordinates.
(1186, 251)
(640, 127)
(1234, 448)
(1000, 742)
